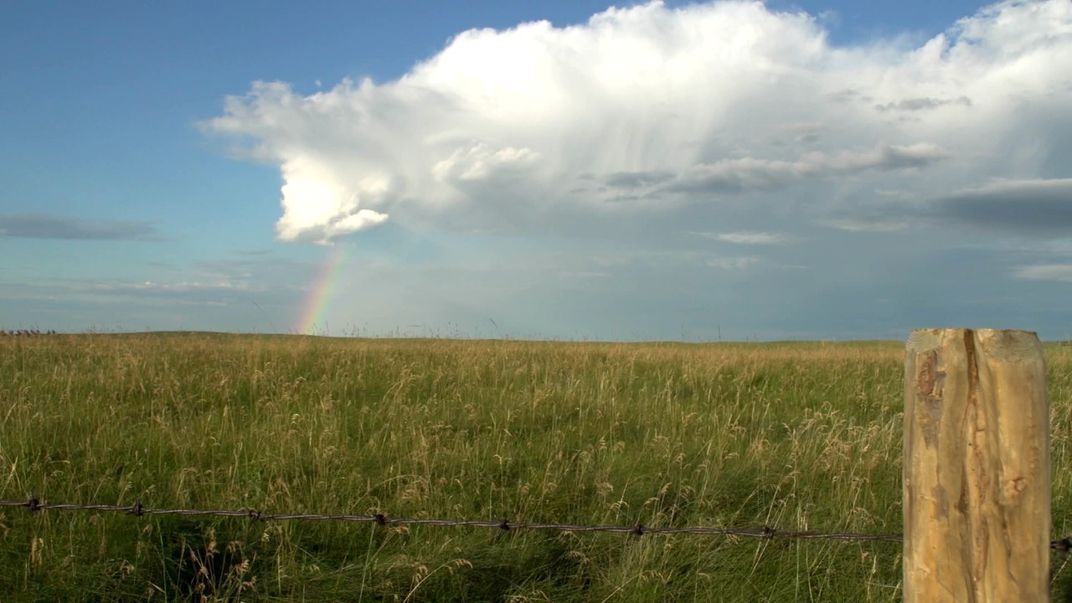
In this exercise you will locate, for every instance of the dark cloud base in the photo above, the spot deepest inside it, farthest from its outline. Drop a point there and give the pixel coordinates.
(45, 226)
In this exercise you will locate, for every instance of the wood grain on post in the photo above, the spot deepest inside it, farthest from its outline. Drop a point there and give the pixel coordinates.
(976, 467)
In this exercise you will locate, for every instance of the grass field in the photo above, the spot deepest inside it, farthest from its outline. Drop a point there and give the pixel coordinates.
(795, 436)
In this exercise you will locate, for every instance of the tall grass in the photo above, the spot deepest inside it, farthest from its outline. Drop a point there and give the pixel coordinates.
(796, 436)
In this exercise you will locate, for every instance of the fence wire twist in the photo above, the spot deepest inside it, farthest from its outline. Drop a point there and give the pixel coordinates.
(764, 532)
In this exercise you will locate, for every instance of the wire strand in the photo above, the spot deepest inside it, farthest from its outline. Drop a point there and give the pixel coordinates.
(764, 532)
(137, 509)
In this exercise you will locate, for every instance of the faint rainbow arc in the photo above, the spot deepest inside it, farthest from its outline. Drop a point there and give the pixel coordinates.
(319, 297)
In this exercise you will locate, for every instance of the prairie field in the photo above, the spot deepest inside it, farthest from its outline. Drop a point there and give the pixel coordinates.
(796, 436)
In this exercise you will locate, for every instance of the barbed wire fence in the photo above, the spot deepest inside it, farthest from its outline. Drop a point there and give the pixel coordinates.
(35, 505)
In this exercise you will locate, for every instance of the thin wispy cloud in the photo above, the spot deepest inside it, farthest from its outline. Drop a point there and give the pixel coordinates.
(46, 226)
(650, 109)
(749, 237)
(923, 104)
(862, 224)
(732, 263)
(167, 287)
(1046, 272)
(750, 174)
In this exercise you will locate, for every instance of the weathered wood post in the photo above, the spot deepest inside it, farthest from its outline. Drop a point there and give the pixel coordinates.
(976, 467)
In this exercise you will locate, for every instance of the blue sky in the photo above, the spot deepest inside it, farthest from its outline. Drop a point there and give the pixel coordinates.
(676, 171)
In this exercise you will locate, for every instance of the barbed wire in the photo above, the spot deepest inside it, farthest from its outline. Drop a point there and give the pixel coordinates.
(764, 532)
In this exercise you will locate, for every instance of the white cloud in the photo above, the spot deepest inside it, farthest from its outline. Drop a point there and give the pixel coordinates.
(1046, 272)
(748, 237)
(732, 263)
(478, 162)
(697, 106)
(867, 225)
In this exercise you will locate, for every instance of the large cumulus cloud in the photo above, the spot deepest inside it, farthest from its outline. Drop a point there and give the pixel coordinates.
(653, 107)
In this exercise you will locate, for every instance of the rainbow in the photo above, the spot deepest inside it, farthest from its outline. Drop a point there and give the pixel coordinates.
(316, 302)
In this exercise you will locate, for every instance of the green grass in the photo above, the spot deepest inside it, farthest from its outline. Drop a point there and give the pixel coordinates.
(793, 435)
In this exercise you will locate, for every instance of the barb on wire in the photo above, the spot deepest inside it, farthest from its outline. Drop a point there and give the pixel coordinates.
(1063, 545)
(765, 532)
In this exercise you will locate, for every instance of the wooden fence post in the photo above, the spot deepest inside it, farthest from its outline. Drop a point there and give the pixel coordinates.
(976, 467)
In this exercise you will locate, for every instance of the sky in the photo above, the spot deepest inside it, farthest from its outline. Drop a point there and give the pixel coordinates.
(578, 170)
